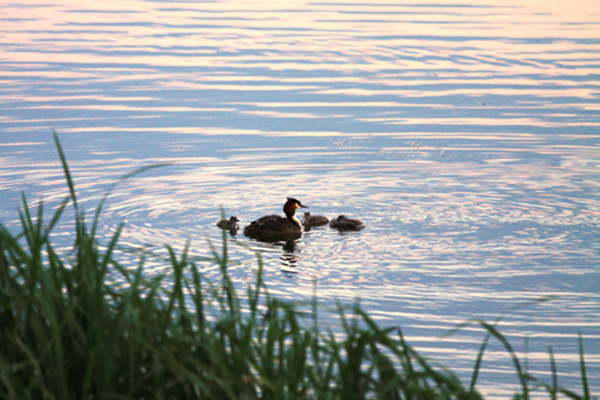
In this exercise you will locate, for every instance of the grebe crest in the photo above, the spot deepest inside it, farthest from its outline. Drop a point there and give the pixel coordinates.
(273, 228)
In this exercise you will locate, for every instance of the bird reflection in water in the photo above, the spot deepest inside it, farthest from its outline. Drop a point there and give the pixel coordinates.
(289, 258)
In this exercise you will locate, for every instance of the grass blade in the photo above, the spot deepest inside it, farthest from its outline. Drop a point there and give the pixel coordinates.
(68, 176)
(478, 363)
(109, 191)
(522, 377)
(554, 387)
(584, 382)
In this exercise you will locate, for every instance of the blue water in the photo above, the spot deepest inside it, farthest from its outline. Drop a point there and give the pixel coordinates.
(465, 136)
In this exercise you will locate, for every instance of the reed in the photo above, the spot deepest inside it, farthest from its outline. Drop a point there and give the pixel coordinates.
(66, 333)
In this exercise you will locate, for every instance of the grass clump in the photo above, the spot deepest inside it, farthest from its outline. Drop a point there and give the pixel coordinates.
(66, 333)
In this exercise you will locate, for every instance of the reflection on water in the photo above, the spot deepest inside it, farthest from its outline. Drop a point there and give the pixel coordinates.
(465, 135)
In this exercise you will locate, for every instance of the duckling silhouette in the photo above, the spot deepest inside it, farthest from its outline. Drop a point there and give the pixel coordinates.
(343, 223)
(230, 224)
(314, 220)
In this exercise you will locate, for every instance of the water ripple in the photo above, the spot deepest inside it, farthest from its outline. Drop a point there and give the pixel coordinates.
(465, 135)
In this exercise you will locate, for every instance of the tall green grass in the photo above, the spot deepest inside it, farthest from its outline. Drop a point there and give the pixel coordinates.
(66, 333)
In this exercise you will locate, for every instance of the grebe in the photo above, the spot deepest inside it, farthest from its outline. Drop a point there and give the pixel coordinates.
(273, 228)
(314, 220)
(231, 225)
(343, 223)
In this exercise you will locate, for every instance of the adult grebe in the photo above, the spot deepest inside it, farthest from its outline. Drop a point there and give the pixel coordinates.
(343, 223)
(273, 228)
(314, 220)
(230, 224)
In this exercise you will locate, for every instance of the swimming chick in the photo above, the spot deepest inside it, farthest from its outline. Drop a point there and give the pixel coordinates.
(230, 224)
(314, 220)
(343, 223)
(273, 228)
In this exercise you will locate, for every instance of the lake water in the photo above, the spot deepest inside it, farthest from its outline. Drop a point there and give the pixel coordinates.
(466, 136)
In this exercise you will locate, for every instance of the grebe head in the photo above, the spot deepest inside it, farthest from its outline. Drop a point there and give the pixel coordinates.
(291, 205)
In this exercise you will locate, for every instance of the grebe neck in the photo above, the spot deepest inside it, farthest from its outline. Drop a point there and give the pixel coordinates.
(293, 219)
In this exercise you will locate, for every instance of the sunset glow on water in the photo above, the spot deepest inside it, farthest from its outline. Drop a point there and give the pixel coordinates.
(466, 136)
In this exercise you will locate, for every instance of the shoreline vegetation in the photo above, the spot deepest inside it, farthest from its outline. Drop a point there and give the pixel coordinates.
(67, 333)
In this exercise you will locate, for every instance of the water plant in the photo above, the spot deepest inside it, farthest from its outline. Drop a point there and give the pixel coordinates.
(67, 332)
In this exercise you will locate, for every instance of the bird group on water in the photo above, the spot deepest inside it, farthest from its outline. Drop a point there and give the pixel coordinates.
(274, 228)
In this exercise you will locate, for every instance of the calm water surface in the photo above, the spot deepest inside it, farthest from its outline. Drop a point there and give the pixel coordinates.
(465, 135)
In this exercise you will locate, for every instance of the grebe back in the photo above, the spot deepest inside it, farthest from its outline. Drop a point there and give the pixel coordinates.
(273, 228)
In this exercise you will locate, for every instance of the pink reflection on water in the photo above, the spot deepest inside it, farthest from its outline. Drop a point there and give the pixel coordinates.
(458, 219)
